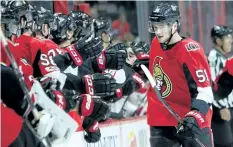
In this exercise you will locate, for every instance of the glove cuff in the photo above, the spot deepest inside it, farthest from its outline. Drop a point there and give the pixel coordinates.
(101, 60)
(86, 105)
(142, 86)
(199, 117)
(88, 84)
(76, 57)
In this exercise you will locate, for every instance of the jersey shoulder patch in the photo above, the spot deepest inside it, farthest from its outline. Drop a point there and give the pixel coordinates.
(192, 46)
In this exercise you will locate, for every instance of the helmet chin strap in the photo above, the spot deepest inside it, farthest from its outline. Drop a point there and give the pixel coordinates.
(164, 46)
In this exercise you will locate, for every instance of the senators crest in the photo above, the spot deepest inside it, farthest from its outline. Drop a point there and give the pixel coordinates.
(163, 83)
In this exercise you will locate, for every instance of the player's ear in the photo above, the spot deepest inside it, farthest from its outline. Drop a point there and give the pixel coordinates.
(174, 27)
(219, 41)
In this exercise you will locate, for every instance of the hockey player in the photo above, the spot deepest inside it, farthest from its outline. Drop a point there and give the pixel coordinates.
(182, 76)
(221, 122)
(224, 82)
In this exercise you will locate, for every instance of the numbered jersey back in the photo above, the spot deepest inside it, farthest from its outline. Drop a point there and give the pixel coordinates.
(46, 63)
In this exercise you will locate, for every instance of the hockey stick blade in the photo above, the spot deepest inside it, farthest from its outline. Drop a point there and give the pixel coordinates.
(153, 84)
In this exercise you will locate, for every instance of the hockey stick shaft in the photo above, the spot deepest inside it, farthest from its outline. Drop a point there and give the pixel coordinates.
(20, 78)
(153, 84)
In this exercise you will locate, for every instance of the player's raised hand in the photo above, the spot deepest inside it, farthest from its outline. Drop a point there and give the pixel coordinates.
(89, 46)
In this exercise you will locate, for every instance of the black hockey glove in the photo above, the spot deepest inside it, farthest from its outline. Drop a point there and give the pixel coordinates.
(92, 131)
(141, 50)
(88, 46)
(112, 58)
(128, 88)
(196, 126)
(117, 47)
(63, 61)
(92, 107)
(99, 84)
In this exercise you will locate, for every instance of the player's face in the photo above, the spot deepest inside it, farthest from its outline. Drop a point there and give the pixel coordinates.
(69, 34)
(161, 30)
(105, 37)
(227, 43)
(131, 57)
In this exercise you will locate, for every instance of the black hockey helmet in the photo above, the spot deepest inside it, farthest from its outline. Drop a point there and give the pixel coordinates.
(23, 11)
(80, 18)
(101, 24)
(43, 16)
(60, 26)
(6, 14)
(218, 31)
(18, 5)
(82, 21)
(8, 20)
(164, 13)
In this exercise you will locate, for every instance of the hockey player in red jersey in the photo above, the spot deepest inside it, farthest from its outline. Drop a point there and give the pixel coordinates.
(182, 75)
(224, 82)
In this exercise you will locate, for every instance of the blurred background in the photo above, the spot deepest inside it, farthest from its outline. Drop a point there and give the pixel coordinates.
(131, 17)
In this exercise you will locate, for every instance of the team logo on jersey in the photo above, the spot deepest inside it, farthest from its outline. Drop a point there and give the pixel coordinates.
(163, 83)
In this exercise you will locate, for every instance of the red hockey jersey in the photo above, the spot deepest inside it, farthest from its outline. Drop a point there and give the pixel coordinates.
(46, 63)
(181, 74)
(16, 49)
(39, 54)
(31, 45)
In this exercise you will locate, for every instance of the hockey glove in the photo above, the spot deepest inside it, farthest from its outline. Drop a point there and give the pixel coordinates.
(126, 90)
(65, 99)
(88, 47)
(112, 58)
(141, 50)
(140, 84)
(194, 126)
(99, 84)
(92, 107)
(92, 131)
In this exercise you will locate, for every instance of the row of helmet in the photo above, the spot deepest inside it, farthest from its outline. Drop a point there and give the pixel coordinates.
(19, 16)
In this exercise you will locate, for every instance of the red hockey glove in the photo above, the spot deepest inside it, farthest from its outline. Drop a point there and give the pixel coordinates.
(194, 126)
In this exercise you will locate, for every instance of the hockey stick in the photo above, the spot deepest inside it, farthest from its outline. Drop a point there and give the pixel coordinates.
(158, 94)
(120, 114)
(23, 85)
(142, 103)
